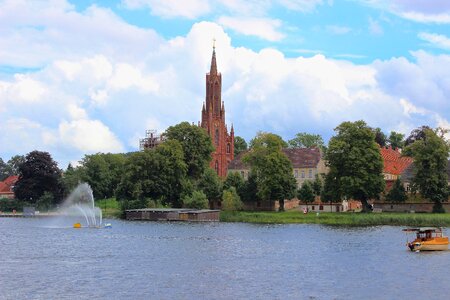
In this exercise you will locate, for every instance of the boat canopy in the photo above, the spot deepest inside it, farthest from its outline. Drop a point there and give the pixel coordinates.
(423, 229)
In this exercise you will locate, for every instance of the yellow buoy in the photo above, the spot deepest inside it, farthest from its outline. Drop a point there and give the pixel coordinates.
(77, 225)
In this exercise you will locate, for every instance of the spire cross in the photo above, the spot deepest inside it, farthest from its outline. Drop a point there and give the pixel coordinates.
(214, 43)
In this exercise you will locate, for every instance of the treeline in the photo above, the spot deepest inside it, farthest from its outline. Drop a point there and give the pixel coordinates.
(176, 173)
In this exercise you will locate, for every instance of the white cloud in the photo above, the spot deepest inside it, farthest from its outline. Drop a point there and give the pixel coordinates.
(437, 40)
(375, 27)
(301, 5)
(89, 136)
(424, 18)
(336, 29)
(190, 9)
(409, 108)
(261, 27)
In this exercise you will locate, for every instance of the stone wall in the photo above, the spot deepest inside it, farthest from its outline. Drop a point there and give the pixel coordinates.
(408, 207)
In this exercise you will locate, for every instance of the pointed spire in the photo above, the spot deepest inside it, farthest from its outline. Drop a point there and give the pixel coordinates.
(203, 109)
(213, 60)
(232, 129)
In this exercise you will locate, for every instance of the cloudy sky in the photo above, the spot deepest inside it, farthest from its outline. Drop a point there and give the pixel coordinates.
(80, 77)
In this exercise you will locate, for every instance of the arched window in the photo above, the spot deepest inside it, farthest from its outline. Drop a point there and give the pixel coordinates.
(216, 137)
(228, 148)
(216, 166)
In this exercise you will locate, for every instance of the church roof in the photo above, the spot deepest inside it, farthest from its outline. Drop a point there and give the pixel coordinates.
(299, 157)
(394, 162)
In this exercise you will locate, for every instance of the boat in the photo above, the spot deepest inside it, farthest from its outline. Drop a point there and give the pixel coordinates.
(427, 239)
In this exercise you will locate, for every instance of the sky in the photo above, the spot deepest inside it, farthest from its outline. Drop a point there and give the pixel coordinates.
(82, 77)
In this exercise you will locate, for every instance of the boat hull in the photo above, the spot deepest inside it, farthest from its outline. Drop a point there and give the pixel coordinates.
(429, 245)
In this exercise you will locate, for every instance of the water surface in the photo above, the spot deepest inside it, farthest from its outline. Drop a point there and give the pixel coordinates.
(150, 260)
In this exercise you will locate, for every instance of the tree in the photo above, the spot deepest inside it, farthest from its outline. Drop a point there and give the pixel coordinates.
(196, 144)
(397, 192)
(249, 190)
(197, 200)
(4, 170)
(396, 140)
(317, 185)
(430, 154)
(306, 140)
(14, 164)
(416, 135)
(268, 141)
(240, 145)
(158, 174)
(72, 177)
(306, 193)
(210, 184)
(234, 179)
(37, 175)
(380, 137)
(231, 200)
(355, 164)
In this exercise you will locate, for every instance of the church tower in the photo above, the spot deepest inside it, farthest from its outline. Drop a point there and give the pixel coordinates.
(213, 121)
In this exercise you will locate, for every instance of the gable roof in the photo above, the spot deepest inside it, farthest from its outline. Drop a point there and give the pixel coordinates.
(394, 162)
(11, 180)
(299, 157)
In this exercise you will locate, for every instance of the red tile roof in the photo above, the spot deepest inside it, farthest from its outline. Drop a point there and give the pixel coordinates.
(394, 162)
(7, 184)
(3, 187)
(11, 180)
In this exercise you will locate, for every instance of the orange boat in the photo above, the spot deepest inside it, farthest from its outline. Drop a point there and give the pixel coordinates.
(428, 239)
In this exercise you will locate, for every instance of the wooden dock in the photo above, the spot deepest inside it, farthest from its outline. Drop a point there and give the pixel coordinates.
(173, 214)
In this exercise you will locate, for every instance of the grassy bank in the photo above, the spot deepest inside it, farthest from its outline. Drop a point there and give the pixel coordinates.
(110, 207)
(346, 219)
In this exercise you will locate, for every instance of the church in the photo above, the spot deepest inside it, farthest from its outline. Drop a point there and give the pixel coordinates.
(213, 121)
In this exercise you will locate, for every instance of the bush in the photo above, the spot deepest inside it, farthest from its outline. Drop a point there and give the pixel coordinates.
(8, 205)
(45, 202)
(197, 200)
(231, 200)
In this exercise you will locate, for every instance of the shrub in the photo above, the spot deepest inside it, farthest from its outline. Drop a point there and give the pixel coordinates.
(197, 200)
(231, 200)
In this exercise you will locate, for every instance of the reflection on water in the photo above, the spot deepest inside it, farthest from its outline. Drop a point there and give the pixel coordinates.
(148, 260)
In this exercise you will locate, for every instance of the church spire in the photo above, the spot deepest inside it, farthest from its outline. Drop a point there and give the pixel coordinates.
(213, 70)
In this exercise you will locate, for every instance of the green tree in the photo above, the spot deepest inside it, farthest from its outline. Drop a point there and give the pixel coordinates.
(210, 184)
(196, 144)
(397, 192)
(11, 167)
(306, 193)
(249, 190)
(306, 140)
(197, 200)
(231, 200)
(396, 140)
(240, 145)
(380, 137)
(317, 185)
(158, 174)
(72, 177)
(355, 164)
(266, 140)
(430, 154)
(4, 170)
(234, 179)
(37, 175)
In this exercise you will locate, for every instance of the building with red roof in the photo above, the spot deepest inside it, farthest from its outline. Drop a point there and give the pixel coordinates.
(7, 187)
(394, 164)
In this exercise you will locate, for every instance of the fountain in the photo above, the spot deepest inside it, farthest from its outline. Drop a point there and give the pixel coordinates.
(80, 206)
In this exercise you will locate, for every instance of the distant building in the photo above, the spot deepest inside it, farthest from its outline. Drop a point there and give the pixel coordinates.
(151, 140)
(306, 163)
(408, 175)
(213, 121)
(7, 187)
(393, 165)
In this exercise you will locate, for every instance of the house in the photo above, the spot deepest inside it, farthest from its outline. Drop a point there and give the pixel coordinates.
(7, 187)
(408, 174)
(306, 163)
(394, 165)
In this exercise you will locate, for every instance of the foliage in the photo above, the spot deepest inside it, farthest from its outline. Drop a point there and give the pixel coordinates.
(44, 203)
(317, 185)
(430, 155)
(355, 164)
(127, 204)
(196, 145)
(249, 190)
(4, 171)
(37, 175)
(380, 137)
(396, 140)
(306, 140)
(8, 205)
(306, 193)
(267, 140)
(11, 167)
(231, 200)
(240, 145)
(210, 184)
(397, 192)
(417, 135)
(72, 177)
(197, 200)
(155, 173)
(234, 179)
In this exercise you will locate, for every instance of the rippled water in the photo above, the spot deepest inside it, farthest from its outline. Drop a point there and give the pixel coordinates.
(149, 260)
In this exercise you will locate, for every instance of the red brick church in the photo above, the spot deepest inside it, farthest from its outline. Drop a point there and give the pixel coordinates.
(213, 120)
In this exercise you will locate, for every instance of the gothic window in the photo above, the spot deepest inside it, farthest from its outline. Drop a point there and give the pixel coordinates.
(216, 137)
(216, 166)
(228, 148)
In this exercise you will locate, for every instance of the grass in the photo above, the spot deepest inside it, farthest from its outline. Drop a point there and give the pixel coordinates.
(110, 207)
(346, 219)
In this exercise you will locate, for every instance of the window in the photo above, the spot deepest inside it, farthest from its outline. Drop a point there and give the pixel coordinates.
(310, 173)
(216, 137)
(321, 207)
(216, 167)
(228, 148)
(312, 208)
(303, 174)
(296, 173)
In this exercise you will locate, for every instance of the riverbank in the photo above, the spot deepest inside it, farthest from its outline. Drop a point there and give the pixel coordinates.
(345, 219)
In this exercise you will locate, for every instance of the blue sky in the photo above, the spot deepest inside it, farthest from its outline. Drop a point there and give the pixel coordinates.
(80, 77)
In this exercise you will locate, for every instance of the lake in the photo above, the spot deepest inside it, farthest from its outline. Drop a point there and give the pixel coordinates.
(151, 260)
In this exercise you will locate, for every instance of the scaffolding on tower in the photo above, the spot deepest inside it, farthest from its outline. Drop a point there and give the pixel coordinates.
(151, 140)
